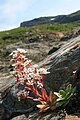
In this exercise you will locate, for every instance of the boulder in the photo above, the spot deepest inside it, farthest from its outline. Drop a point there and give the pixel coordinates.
(62, 64)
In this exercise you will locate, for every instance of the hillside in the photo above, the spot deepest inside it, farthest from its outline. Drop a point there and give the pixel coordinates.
(39, 40)
(73, 17)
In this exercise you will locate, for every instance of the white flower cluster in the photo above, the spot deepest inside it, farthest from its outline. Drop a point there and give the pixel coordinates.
(27, 75)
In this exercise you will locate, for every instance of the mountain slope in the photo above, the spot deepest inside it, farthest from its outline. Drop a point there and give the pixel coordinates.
(74, 17)
(39, 40)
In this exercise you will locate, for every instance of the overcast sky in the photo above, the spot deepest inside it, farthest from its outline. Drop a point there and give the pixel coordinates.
(13, 12)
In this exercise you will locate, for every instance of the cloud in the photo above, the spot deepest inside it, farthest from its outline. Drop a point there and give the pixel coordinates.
(11, 10)
(13, 7)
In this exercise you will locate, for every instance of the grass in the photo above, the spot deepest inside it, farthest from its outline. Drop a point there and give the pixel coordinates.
(56, 28)
(19, 34)
(24, 34)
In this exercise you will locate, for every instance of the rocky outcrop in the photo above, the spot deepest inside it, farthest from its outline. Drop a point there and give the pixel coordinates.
(64, 67)
(52, 20)
(62, 63)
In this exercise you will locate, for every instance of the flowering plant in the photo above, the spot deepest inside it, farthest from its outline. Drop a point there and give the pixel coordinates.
(28, 75)
(31, 79)
(47, 101)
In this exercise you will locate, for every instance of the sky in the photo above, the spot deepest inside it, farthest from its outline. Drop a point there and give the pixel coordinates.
(13, 12)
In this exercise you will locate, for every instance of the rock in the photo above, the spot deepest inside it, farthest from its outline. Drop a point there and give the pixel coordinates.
(53, 50)
(59, 115)
(72, 117)
(61, 65)
(47, 116)
(21, 117)
(6, 82)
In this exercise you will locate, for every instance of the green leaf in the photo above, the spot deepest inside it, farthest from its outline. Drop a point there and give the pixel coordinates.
(65, 95)
(62, 93)
(69, 88)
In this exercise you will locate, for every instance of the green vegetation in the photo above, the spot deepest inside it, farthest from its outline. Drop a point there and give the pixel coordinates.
(12, 36)
(24, 34)
(65, 95)
(56, 28)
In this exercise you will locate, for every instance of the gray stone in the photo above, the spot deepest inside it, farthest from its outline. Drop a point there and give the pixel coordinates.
(61, 65)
